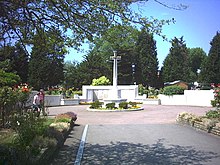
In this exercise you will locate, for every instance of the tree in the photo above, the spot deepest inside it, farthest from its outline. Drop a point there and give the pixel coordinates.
(97, 62)
(15, 59)
(125, 76)
(176, 64)
(146, 60)
(47, 60)
(6, 54)
(71, 75)
(93, 66)
(21, 20)
(196, 57)
(210, 70)
(20, 62)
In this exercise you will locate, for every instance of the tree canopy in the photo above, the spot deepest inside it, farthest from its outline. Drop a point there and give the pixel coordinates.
(176, 64)
(47, 60)
(14, 59)
(83, 19)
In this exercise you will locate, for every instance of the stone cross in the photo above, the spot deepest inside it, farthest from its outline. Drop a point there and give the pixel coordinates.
(115, 58)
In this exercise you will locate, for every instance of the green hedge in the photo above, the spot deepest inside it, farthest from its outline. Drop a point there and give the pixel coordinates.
(173, 90)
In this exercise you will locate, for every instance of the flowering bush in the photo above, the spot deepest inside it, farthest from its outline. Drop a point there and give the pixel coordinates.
(101, 81)
(13, 99)
(216, 101)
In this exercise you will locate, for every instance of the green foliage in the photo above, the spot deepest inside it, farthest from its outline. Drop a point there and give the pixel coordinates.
(92, 19)
(142, 90)
(96, 105)
(46, 60)
(196, 58)
(72, 75)
(94, 65)
(15, 59)
(8, 79)
(210, 70)
(123, 105)
(146, 60)
(173, 90)
(27, 126)
(100, 81)
(152, 92)
(110, 106)
(216, 101)
(213, 114)
(12, 99)
(133, 104)
(176, 64)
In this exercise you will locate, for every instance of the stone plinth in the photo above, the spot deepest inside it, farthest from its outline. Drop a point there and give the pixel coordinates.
(117, 101)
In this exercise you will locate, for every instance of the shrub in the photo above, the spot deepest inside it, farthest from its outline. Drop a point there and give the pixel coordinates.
(133, 104)
(66, 117)
(173, 90)
(101, 81)
(123, 105)
(110, 106)
(216, 101)
(213, 114)
(95, 105)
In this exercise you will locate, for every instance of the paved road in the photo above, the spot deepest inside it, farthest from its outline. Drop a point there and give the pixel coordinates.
(148, 137)
(151, 114)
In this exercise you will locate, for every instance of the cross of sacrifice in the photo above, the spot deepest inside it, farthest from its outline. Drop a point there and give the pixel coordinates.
(115, 58)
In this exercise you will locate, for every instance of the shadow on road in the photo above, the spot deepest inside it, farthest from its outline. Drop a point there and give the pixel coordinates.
(124, 153)
(67, 153)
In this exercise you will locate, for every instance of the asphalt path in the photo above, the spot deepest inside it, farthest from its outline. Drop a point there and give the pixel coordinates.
(150, 137)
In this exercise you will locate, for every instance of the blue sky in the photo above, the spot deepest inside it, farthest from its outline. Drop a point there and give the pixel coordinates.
(197, 24)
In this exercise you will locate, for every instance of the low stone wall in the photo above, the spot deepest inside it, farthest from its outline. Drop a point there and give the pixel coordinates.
(69, 101)
(53, 100)
(151, 101)
(209, 125)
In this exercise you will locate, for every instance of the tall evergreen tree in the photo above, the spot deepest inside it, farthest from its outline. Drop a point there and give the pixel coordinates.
(93, 66)
(210, 71)
(47, 61)
(176, 64)
(21, 62)
(125, 66)
(196, 57)
(71, 75)
(146, 60)
(15, 59)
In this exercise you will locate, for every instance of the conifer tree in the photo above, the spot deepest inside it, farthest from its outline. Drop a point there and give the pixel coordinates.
(210, 71)
(14, 59)
(176, 64)
(47, 61)
(146, 60)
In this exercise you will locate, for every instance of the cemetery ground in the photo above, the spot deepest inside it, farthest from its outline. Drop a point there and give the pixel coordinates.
(151, 136)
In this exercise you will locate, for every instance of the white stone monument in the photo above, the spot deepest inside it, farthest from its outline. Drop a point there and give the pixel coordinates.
(113, 96)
